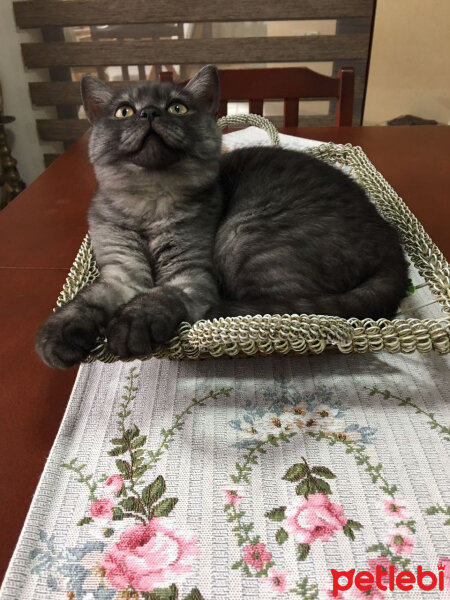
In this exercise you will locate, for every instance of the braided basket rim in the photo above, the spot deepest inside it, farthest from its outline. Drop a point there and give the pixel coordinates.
(306, 334)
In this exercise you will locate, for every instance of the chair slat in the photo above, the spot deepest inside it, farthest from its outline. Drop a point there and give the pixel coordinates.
(219, 51)
(291, 112)
(256, 107)
(61, 130)
(43, 13)
(344, 109)
(141, 71)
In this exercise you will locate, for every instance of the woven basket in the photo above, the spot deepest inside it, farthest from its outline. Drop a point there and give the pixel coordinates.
(306, 334)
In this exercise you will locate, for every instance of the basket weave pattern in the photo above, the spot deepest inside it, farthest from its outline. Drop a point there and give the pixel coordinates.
(306, 334)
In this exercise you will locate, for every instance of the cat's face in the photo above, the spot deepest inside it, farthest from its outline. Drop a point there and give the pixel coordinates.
(154, 125)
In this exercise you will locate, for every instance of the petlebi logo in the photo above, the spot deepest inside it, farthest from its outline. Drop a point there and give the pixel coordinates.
(388, 578)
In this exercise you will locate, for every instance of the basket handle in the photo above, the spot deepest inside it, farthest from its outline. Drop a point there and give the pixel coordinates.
(250, 119)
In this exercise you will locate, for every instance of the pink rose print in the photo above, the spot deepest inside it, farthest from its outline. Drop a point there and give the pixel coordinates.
(231, 497)
(233, 494)
(401, 543)
(277, 581)
(115, 483)
(446, 563)
(102, 509)
(256, 556)
(316, 518)
(384, 563)
(149, 556)
(394, 508)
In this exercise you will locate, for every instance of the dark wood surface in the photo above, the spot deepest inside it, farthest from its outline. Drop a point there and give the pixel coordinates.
(40, 233)
(42, 13)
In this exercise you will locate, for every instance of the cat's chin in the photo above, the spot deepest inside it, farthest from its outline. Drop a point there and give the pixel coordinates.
(154, 154)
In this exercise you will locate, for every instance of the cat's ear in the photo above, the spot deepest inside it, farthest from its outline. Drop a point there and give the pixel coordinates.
(205, 86)
(95, 95)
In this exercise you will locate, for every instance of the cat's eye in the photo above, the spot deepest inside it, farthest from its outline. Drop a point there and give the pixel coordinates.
(124, 112)
(177, 108)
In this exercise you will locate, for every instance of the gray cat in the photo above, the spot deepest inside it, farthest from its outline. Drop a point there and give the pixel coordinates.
(181, 232)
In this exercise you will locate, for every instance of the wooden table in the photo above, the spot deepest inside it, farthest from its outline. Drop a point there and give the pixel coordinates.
(40, 232)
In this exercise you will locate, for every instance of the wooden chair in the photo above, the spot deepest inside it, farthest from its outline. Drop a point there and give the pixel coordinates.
(289, 84)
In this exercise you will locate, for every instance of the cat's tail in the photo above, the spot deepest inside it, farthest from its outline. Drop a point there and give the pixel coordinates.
(375, 298)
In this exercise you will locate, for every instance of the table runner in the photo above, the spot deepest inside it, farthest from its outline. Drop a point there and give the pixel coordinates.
(247, 478)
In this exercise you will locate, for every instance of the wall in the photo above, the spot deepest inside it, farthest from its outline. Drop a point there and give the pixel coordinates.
(410, 62)
(22, 134)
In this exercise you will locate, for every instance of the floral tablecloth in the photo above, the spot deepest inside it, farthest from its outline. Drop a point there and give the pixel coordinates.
(246, 478)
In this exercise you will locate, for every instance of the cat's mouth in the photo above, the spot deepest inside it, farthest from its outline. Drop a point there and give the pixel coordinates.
(145, 138)
(148, 137)
(153, 151)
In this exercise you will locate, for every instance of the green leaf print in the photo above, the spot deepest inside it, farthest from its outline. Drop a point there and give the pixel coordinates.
(303, 551)
(281, 536)
(153, 492)
(164, 508)
(277, 514)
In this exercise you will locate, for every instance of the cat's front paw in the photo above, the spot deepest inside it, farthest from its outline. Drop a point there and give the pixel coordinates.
(146, 322)
(67, 337)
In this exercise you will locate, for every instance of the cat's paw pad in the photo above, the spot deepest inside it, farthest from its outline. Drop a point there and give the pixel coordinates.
(66, 338)
(140, 326)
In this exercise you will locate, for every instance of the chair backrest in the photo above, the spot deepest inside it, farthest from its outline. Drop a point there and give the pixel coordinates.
(290, 85)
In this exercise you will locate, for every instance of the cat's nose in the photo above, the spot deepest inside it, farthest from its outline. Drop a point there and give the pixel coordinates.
(149, 113)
